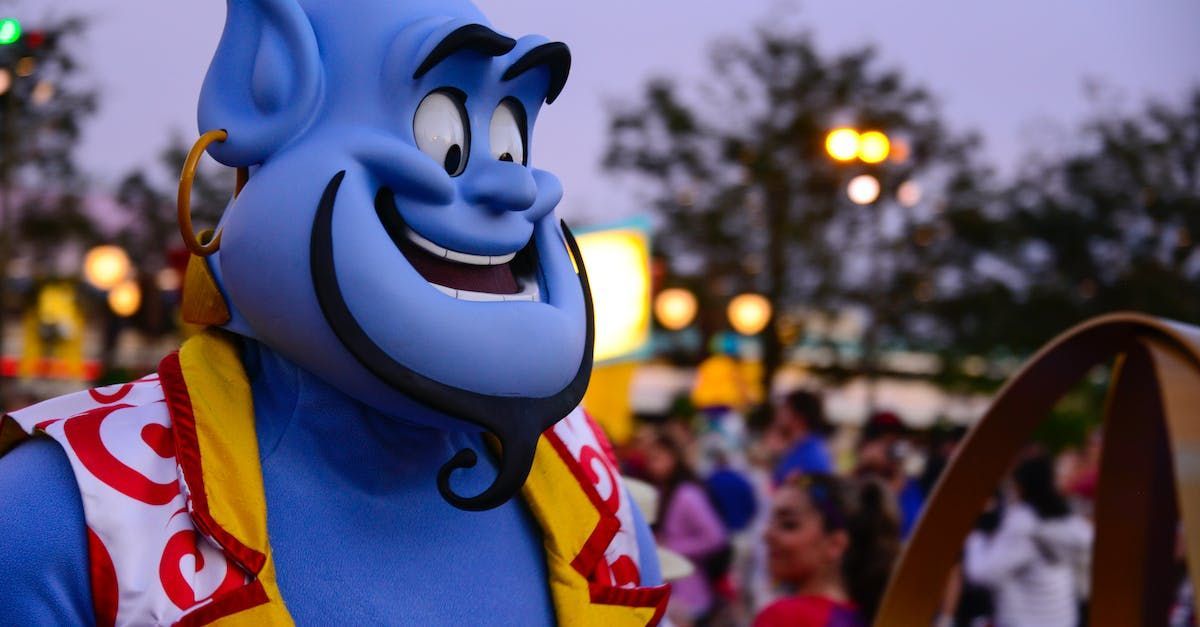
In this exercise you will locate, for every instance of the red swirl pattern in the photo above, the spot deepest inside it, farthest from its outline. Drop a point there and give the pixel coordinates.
(115, 397)
(177, 584)
(589, 460)
(105, 592)
(83, 435)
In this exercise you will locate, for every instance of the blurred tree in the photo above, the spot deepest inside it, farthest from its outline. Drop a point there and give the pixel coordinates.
(43, 103)
(1110, 226)
(147, 198)
(749, 199)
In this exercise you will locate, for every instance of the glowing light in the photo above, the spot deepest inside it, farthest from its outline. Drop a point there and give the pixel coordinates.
(26, 66)
(618, 263)
(42, 92)
(901, 150)
(909, 194)
(10, 31)
(842, 144)
(863, 189)
(675, 308)
(749, 313)
(874, 147)
(106, 266)
(125, 299)
(5, 81)
(169, 280)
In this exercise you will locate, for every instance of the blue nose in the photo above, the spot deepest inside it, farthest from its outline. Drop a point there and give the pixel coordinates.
(499, 186)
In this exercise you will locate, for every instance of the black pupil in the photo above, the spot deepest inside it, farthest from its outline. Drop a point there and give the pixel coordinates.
(453, 159)
(507, 157)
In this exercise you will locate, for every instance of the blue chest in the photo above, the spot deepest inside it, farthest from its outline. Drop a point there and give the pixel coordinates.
(401, 555)
(360, 534)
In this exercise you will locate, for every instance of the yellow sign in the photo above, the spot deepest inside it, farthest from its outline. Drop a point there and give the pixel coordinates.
(53, 331)
(618, 265)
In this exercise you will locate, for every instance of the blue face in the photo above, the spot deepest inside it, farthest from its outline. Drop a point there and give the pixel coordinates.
(393, 237)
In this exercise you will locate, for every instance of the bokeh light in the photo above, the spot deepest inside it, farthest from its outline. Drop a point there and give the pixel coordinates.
(874, 147)
(26, 66)
(125, 299)
(43, 92)
(909, 194)
(618, 263)
(169, 280)
(105, 267)
(675, 308)
(863, 189)
(842, 144)
(749, 313)
(10, 31)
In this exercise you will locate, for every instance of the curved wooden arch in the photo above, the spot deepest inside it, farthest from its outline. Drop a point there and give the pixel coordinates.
(1149, 470)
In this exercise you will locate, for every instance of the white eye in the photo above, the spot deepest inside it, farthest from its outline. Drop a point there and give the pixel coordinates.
(508, 132)
(441, 130)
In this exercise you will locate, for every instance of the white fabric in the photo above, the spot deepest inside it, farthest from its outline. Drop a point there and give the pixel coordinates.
(133, 500)
(1031, 566)
(577, 434)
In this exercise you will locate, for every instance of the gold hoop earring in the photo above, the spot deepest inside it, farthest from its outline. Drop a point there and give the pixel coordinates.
(195, 243)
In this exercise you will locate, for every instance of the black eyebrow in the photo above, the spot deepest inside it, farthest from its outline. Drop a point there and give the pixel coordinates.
(555, 56)
(475, 37)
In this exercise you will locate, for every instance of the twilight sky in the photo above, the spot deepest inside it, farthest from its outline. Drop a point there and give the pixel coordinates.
(1012, 69)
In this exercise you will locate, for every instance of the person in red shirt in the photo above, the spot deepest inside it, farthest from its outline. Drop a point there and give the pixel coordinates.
(832, 543)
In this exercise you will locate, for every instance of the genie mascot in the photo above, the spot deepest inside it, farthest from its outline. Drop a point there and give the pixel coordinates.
(379, 424)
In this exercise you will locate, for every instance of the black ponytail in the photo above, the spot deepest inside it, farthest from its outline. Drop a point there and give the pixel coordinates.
(874, 531)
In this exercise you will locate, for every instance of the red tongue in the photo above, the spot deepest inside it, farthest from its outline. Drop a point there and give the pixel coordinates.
(497, 279)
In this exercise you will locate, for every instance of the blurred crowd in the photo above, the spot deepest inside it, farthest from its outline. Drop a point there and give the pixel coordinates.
(789, 521)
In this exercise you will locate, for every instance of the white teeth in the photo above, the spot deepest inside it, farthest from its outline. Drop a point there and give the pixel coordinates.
(453, 255)
(529, 292)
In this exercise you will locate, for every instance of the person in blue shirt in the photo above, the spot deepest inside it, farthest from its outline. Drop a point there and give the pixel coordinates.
(799, 430)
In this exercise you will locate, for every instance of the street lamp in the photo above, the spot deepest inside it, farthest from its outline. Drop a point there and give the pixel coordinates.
(749, 313)
(874, 147)
(675, 308)
(125, 299)
(842, 144)
(105, 267)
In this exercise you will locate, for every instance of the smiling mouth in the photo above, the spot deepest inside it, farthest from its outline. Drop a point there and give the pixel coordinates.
(480, 278)
(517, 422)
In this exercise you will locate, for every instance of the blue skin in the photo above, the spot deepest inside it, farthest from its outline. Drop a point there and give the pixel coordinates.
(359, 530)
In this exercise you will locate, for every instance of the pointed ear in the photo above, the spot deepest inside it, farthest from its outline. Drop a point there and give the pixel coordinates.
(264, 81)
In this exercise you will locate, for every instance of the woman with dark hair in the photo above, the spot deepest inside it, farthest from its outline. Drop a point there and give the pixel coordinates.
(689, 525)
(832, 543)
(1032, 561)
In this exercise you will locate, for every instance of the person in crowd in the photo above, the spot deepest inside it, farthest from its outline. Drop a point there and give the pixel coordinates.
(941, 444)
(1030, 563)
(688, 525)
(798, 434)
(882, 448)
(831, 542)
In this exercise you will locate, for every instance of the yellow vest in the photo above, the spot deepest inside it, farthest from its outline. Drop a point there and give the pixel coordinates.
(225, 462)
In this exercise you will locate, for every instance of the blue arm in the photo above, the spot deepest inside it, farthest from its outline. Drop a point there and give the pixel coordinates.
(43, 539)
(647, 548)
